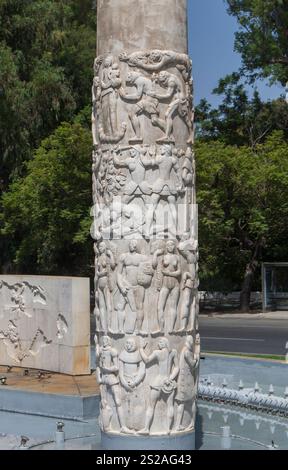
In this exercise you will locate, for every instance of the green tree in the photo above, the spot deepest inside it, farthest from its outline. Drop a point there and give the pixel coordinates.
(47, 48)
(243, 211)
(262, 39)
(240, 120)
(46, 214)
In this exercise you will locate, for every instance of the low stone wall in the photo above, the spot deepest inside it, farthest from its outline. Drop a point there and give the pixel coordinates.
(218, 300)
(45, 323)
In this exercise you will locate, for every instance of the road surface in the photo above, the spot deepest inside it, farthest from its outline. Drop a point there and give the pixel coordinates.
(253, 336)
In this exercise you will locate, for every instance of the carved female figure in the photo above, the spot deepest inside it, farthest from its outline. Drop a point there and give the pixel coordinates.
(186, 381)
(110, 82)
(189, 249)
(171, 273)
(104, 263)
(164, 384)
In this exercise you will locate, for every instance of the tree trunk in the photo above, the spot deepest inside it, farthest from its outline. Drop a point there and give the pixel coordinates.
(245, 295)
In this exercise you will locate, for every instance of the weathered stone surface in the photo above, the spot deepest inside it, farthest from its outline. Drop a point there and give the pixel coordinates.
(145, 227)
(45, 323)
(140, 24)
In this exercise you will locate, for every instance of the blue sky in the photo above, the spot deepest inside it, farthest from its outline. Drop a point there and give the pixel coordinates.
(211, 46)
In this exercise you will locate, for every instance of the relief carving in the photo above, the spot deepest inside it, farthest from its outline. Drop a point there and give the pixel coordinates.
(108, 379)
(145, 104)
(20, 302)
(163, 384)
(132, 372)
(62, 326)
(105, 95)
(179, 104)
(156, 60)
(146, 262)
(104, 266)
(189, 250)
(170, 289)
(186, 390)
(134, 277)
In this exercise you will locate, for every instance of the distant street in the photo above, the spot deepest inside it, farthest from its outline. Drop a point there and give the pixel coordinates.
(254, 336)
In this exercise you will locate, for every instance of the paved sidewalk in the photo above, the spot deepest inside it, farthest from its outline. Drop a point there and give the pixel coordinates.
(279, 315)
(50, 382)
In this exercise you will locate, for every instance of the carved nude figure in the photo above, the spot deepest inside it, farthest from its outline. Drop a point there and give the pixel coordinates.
(170, 289)
(144, 103)
(189, 249)
(164, 187)
(186, 381)
(104, 264)
(108, 378)
(188, 168)
(137, 165)
(134, 276)
(163, 384)
(178, 104)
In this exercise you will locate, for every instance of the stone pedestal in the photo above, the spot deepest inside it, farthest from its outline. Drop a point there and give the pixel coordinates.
(145, 223)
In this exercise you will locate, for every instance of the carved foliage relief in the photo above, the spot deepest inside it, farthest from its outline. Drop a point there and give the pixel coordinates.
(146, 249)
(23, 307)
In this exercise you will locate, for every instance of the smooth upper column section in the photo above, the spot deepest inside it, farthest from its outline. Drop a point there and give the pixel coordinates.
(141, 24)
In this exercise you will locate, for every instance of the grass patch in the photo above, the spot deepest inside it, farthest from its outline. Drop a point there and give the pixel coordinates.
(256, 356)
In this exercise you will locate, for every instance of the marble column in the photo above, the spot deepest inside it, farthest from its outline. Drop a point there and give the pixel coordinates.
(145, 226)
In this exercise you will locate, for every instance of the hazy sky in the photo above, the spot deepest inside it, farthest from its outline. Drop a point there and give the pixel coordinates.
(211, 43)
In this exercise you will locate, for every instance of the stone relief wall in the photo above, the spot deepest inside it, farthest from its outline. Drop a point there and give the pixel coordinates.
(146, 248)
(38, 321)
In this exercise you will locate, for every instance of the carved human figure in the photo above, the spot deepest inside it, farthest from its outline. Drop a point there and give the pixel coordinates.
(19, 301)
(144, 103)
(156, 60)
(165, 187)
(104, 265)
(96, 164)
(186, 381)
(110, 83)
(96, 100)
(189, 249)
(108, 377)
(131, 366)
(197, 348)
(12, 342)
(132, 372)
(170, 289)
(134, 276)
(188, 168)
(163, 384)
(178, 104)
(137, 165)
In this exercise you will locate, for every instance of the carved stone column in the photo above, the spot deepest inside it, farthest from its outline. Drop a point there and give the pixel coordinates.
(145, 227)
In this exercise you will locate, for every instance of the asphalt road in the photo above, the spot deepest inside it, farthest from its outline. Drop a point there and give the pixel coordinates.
(254, 336)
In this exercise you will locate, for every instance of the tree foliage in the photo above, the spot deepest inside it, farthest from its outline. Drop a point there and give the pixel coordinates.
(46, 214)
(240, 120)
(243, 208)
(262, 39)
(46, 61)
